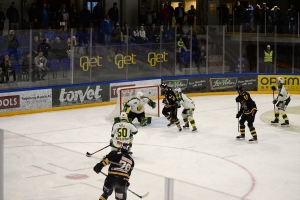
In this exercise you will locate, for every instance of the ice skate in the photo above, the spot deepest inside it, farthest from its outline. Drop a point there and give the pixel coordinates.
(194, 129)
(186, 126)
(240, 137)
(285, 123)
(275, 121)
(253, 140)
(171, 123)
(179, 128)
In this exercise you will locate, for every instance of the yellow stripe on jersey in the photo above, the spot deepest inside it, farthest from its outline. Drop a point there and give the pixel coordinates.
(246, 97)
(247, 113)
(105, 162)
(119, 173)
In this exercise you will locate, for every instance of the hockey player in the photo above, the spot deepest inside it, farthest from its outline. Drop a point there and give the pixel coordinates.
(247, 111)
(137, 110)
(282, 101)
(188, 109)
(118, 172)
(170, 106)
(122, 132)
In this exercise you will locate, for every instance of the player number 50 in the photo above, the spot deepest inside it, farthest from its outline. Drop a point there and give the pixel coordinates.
(122, 132)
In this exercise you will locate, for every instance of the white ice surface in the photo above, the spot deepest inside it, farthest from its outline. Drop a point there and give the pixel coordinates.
(43, 150)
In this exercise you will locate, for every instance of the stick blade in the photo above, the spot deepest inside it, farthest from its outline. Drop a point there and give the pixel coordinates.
(145, 195)
(88, 154)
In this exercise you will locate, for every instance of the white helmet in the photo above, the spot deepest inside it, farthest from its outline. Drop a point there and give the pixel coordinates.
(178, 90)
(123, 115)
(139, 95)
(280, 80)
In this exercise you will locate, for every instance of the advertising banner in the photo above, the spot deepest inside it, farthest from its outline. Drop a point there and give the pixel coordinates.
(292, 82)
(114, 86)
(80, 95)
(188, 85)
(25, 100)
(217, 84)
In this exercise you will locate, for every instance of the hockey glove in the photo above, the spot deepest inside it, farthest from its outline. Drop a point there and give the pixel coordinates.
(98, 168)
(165, 101)
(274, 88)
(111, 142)
(274, 101)
(177, 105)
(237, 99)
(238, 115)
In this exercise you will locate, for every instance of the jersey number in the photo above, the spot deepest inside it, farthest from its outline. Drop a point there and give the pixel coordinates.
(125, 165)
(122, 132)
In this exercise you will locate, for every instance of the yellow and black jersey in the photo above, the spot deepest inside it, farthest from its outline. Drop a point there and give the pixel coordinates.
(125, 166)
(247, 104)
(170, 96)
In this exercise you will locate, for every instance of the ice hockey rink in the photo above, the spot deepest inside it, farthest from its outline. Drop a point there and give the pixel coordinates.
(45, 155)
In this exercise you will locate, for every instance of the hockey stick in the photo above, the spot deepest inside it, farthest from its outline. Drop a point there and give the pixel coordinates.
(140, 196)
(238, 118)
(89, 154)
(273, 100)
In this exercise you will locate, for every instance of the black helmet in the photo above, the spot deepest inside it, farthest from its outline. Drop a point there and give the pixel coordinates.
(239, 88)
(125, 148)
(163, 85)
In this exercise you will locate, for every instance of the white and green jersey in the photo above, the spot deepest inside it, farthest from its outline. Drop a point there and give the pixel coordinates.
(185, 101)
(137, 105)
(283, 95)
(122, 132)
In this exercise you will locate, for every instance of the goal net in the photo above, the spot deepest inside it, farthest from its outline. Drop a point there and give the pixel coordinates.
(126, 93)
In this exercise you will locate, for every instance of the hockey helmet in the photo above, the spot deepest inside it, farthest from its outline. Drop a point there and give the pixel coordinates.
(239, 89)
(125, 148)
(177, 90)
(123, 115)
(280, 80)
(163, 85)
(139, 95)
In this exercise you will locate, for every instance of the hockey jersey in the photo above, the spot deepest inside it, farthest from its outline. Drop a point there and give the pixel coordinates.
(122, 132)
(138, 105)
(247, 104)
(170, 97)
(125, 166)
(283, 95)
(185, 101)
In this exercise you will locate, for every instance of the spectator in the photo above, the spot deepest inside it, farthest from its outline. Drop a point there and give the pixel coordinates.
(44, 47)
(33, 13)
(117, 34)
(180, 58)
(202, 60)
(142, 18)
(179, 14)
(12, 15)
(8, 69)
(2, 20)
(268, 59)
(63, 16)
(257, 16)
(58, 50)
(187, 41)
(149, 17)
(2, 72)
(153, 34)
(26, 69)
(185, 28)
(73, 17)
(85, 17)
(69, 43)
(106, 28)
(98, 16)
(223, 14)
(13, 48)
(155, 16)
(238, 16)
(49, 33)
(113, 14)
(180, 44)
(240, 65)
(170, 7)
(54, 20)
(142, 35)
(276, 18)
(265, 14)
(165, 15)
(44, 16)
(136, 35)
(292, 16)
(40, 62)
(35, 25)
(35, 44)
(191, 16)
(248, 17)
(127, 34)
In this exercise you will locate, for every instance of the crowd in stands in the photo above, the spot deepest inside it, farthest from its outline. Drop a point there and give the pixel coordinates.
(264, 17)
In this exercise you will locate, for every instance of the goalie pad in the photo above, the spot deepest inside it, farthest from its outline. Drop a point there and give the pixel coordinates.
(145, 121)
(152, 104)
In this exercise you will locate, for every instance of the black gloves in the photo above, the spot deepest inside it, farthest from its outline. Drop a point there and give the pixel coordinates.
(165, 101)
(237, 99)
(274, 88)
(98, 168)
(238, 115)
(274, 101)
